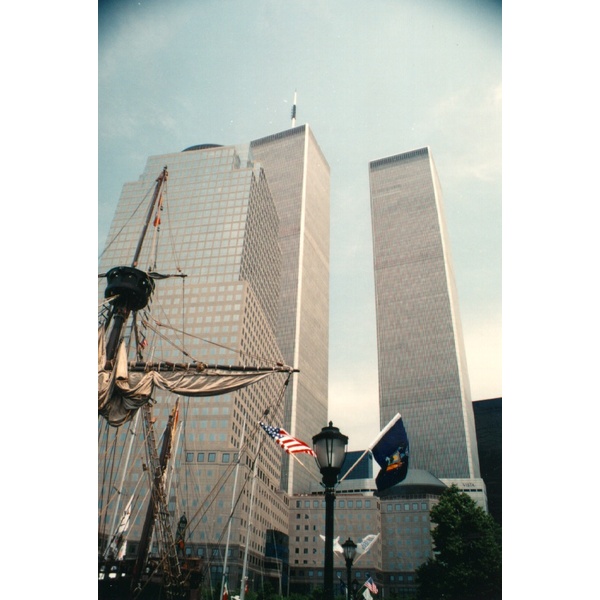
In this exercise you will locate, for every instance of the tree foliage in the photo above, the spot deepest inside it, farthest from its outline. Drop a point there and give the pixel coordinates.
(468, 547)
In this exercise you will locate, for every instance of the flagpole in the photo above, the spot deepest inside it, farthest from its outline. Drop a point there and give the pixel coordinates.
(305, 467)
(237, 468)
(250, 511)
(372, 444)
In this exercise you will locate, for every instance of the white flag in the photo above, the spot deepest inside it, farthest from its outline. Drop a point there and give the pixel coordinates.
(367, 595)
(365, 544)
(336, 544)
(118, 543)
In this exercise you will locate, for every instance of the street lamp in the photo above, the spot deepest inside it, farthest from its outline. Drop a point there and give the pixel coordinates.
(349, 552)
(330, 448)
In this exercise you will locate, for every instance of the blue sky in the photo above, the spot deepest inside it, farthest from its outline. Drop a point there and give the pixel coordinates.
(373, 79)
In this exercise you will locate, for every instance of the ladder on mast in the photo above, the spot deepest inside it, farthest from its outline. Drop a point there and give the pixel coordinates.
(158, 512)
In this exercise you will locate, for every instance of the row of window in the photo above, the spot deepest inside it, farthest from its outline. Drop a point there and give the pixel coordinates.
(406, 506)
(337, 504)
(210, 457)
(192, 438)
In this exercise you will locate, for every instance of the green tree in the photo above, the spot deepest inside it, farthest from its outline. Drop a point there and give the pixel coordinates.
(468, 548)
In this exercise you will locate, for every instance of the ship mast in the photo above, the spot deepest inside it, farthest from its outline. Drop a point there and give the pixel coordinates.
(158, 512)
(128, 287)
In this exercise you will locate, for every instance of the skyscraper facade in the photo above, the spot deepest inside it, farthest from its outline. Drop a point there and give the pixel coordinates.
(298, 177)
(219, 227)
(488, 423)
(421, 356)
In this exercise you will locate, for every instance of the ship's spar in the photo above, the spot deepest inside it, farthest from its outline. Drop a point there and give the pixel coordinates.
(124, 388)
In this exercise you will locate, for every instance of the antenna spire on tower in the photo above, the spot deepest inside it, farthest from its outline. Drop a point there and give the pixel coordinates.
(294, 110)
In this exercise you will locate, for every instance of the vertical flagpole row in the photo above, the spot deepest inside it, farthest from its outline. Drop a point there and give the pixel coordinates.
(233, 493)
(254, 478)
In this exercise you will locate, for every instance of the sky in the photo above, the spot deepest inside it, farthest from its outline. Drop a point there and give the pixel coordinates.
(372, 79)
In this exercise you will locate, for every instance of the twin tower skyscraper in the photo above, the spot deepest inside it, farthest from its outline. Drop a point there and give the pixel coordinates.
(249, 226)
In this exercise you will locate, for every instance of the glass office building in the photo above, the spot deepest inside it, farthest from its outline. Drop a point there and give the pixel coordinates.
(421, 356)
(298, 177)
(488, 424)
(218, 226)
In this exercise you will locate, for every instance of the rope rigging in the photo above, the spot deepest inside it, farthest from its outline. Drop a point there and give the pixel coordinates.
(197, 518)
(144, 334)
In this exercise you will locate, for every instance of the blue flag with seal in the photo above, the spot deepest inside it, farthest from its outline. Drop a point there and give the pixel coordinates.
(391, 453)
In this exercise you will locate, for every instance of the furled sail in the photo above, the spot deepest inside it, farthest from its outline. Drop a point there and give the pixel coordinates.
(122, 390)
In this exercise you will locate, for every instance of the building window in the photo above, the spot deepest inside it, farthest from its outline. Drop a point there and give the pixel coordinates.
(225, 457)
(200, 457)
(212, 456)
(189, 457)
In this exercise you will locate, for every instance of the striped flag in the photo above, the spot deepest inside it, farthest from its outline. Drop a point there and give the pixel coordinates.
(370, 585)
(289, 443)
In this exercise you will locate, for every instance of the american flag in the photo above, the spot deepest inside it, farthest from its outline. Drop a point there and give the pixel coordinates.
(370, 585)
(290, 444)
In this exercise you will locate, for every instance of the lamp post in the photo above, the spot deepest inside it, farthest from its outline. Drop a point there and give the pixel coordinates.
(330, 448)
(349, 552)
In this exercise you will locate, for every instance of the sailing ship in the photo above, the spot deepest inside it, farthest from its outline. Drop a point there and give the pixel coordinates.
(130, 377)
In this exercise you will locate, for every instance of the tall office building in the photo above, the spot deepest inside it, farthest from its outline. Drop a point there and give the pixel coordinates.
(218, 226)
(298, 177)
(488, 424)
(421, 356)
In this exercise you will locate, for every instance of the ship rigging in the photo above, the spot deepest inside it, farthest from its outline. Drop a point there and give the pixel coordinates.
(126, 391)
